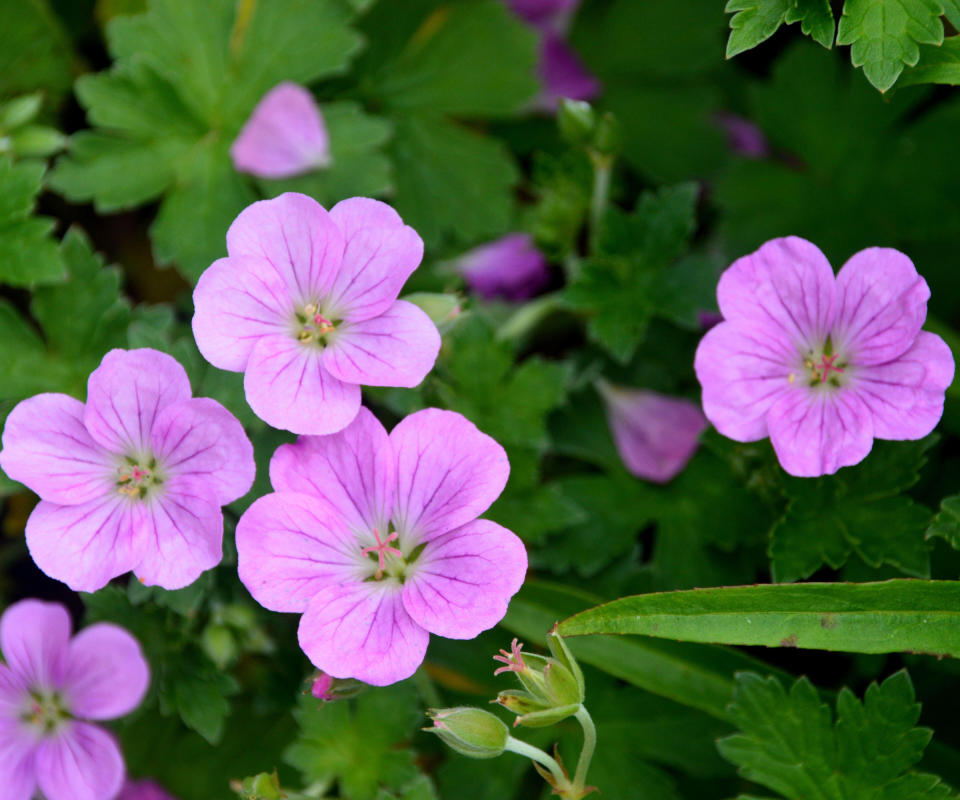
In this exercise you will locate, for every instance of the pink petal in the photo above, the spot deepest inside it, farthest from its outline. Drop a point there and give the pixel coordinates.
(199, 438)
(361, 630)
(448, 473)
(143, 790)
(742, 375)
(14, 687)
(292, 546)
(905, 396)
(562, 74)
(237, 301)
(656, 435)
(510, 267)
(352, 471)
(181, 536)
(816, 432)
(46, 446)
(34, 640)
(17, 781)
(296, 236)
(543, 13)
(882, 306)
(288, 387)
(85, 546)
(127, 392)
(381, 253)
(463, 580)
(107, 674)
(284, 136)
(397, 348)
(82, 762)
(784, 292)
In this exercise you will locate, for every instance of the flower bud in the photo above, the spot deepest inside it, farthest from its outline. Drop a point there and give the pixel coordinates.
(577, 121)
(327, 688)
(471, 732)
(519, 702)
(561, 653)
(562, 688)
(548, 716)
(218, 643)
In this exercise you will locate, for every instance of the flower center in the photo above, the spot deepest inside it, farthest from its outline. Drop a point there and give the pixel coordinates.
(137, 476)
(391, 561)
(312, 326)
(46, 711)
(823, 367)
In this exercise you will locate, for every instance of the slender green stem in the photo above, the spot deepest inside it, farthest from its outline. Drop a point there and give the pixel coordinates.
(427, 688)
(586, 754)
(521, 748)
(602, 170)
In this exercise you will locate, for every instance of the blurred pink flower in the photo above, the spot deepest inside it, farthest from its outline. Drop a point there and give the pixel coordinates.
(143, 790)
(50, 686)
(822, 364)
(132, 480)
(743, 137)
(656, 435)
(510, 268)
(285, 135)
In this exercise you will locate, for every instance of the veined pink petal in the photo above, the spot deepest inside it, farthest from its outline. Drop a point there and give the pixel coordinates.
(13, 689)
(905, 396)
(352, 470)
(381, 253)
(510, 267)
(297, 236)
(397, 348)
(784, 292)
(127, 392)
(815, 432)
(237, 301)
(181, 535)
(362, 630)
(199, 438)
(84, 546)
(107, 674)
(448, 473)
(80, 762)
(17, 781)
(46, 446)
(882, 306)
(34, 639)
(288, 387)
(463, 580)
(285, 135)
(742, 375)
(292, 546)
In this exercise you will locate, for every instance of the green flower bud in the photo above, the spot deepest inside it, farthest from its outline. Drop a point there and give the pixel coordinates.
(549, 716)
(608, 136)
(561, 653)
(218, 643)
(562, 687)
(264, 786)
(577, 121)
(519, 702)
(471, 732)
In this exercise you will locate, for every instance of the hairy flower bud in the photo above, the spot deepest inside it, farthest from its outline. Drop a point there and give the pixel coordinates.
(471, 732)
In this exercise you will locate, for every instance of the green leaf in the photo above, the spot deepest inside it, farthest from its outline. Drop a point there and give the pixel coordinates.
(789, 742)
(946, 524)
(885, 617)
(936, 65)
(951, 9)
(355, 741)
(816, 20)
(886, 35)
(28, 253)
(857, 510)
(35, 52)
(754, 21)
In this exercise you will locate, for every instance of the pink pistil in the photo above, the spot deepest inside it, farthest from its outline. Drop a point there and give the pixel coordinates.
(513, 659)
(827, 365)
(322, 323)
(381, 549)
(140, 474)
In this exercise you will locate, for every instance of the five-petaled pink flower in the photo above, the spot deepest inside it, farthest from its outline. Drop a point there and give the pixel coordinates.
(50, 687)
(132, 480)
(285, 135)
(656, 435)
(510, 268)
(822, 364)
(375, 539)
(306, 305)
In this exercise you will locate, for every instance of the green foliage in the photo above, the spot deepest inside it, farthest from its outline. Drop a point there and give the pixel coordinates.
(946, 524)
(792, 744)
(28, 254)
(937, 64)
(755, 21)
(860, 509)
(35, 52)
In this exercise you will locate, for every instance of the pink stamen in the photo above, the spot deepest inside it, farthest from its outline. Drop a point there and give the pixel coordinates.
(140, 474)
(513, 659)
(323, 324)
(381, 549)
(827, 365)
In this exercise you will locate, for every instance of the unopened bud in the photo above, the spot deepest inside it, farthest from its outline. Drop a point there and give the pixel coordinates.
(548, 716)
(519, 702)
(561, 652)
(576, 120)
(327, 688)
(471, 732)
(562, 687)
(219, 643)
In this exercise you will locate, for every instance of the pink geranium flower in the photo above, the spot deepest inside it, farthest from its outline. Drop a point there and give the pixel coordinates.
(50, 687)
(132, 480)
(305, 304)
(510, 268)
(375, 540)
(285, 136)
(143, 790)
(656, 435)
(822, 364)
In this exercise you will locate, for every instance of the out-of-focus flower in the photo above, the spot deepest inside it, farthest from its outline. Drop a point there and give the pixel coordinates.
(656, 435)
(743, 137)
(285, 136)
(305, 304)
(143, 790)
(375, 540)
(50, 686)
(132, 480)
(822, 364)
(510, 268)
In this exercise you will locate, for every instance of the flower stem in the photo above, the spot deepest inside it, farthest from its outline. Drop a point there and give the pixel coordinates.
(586, 754)
(536, 754)
(427, 688)
(602, 169)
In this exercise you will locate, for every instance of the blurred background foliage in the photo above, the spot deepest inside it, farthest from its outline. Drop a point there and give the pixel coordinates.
(430, 106)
